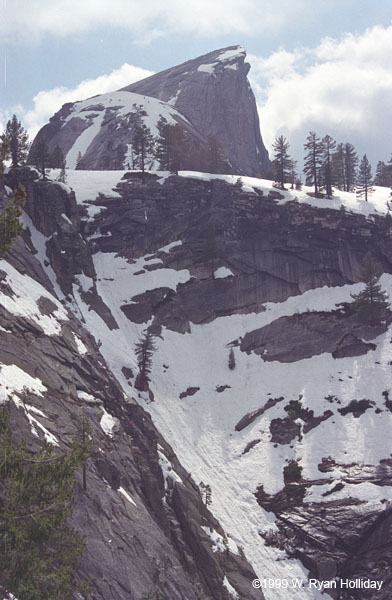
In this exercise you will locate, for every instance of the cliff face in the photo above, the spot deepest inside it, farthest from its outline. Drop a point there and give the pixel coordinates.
(213, 92)
(146, 527)
(210, 95)
(294, 440)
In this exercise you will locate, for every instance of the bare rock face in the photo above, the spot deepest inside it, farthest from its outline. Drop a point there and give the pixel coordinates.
(293, 338)
(273, 251)
(213, 92)
(143, 519)
(210, 95)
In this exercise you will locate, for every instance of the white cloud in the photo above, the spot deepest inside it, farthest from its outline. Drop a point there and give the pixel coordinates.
(47, 102)
(343, 88)
(147, 20)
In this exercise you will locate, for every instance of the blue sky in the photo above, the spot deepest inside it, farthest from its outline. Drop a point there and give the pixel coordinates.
(301, 81)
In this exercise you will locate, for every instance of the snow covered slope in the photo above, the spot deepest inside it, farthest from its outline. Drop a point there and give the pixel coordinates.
(330, 417)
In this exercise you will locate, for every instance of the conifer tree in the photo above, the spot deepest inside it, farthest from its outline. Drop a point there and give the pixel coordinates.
(364, 179)
(143, 145)
(41, 156)
(79, 162)
(18, 141)
(372, 302)
(172, 147)
(282, 161)
(144, 350)
(350, 166)
(329, 146)
(293, 174)
(62, 176)
(57, 158)
(338, 168)
(10, 226)
(231, 361)
(313, 160)
(39, 552)
(4, 152)
(383, 175)
(206, 493)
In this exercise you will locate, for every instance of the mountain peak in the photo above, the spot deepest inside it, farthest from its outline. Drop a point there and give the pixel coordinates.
(207, 96)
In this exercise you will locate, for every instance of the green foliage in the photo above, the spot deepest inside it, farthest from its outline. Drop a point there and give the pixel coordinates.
(383, 175)
(10, 226)
(57, 158)
(40, 156)
(371, 303)
(18, 141)
(364, 179)
(172, 147)
(231, 361)
(143, 145)
(4, 151)
(292, 472)
(144, 350)
(282, 163)
(329, 146)
(79, 162)
(350, 166)
(39, 552)
(313, 160)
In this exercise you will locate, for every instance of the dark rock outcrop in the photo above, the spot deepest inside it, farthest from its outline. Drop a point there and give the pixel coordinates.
(300, 336)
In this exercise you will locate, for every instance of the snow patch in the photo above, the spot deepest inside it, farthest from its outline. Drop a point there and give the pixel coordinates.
(230, 588)
(107, 423)
(127, 496)
(13, 379)
(223, 272)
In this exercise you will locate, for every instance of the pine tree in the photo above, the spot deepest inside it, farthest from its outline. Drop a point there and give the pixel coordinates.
(338, 168)
(350, 166)
(79, 162)
(4, 152)
(364, 179)
(313, 160)
(62, 176)
(144, 350)
(18, 141)
(371, 303)
(10, 226)
(143, 145)
(172, 147)
(329, 146)
(57, 158)
(282, 161)
(231, 361)
(41, 156)
(293, 174)
(39, 552)
(383, 175)
(211, 247)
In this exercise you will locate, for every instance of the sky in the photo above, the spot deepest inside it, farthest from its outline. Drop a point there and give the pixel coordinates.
(320, 65)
